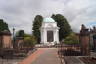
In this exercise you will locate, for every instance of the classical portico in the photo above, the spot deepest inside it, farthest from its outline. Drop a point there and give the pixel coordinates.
(49, 32)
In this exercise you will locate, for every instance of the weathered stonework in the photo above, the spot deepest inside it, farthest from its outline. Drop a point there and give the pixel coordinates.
(5, 39)
(84, 40)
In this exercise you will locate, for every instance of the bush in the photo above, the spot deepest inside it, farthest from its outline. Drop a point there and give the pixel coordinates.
(72, 39)
(29, 41)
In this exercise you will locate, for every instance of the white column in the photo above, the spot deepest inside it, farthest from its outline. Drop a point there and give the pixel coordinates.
(54, 36)
(42, 36)
(54, 33)
(57, 36)
(45, 36)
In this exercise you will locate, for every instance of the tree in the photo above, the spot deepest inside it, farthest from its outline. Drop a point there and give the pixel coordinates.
(63, 24)
(72, 39)
(36, 27)
(3, 25)
(20, 33)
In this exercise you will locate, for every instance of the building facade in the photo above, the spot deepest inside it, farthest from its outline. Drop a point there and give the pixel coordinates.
(49, 32)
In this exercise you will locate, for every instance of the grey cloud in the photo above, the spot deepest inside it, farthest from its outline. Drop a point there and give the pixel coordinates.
(20, 13)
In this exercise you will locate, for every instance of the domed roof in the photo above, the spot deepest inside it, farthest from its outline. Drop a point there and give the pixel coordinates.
(48, 20)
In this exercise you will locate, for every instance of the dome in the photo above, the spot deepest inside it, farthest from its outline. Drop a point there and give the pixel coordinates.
(48, 20)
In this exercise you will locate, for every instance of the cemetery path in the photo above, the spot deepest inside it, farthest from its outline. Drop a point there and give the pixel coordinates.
(32, 57)
(49, 56)
(43, 56)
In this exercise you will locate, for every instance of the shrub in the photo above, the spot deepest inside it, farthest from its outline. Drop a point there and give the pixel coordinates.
(29, 41)
(72, 39)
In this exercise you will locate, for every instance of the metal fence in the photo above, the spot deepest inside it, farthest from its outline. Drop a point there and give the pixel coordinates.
(69, 50)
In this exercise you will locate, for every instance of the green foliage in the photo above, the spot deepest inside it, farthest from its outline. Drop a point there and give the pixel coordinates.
(36, 27)
(63, 24)
(29, 41)
(20, 33)
(72, 39)
(27, 35)
(3, 25)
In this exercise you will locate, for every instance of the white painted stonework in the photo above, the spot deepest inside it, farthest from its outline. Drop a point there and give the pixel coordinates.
(49, 32)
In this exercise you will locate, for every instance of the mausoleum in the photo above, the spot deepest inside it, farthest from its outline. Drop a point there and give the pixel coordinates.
(49, 32)
(5, 39)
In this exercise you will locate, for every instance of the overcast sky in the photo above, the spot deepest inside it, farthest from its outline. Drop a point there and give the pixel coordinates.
(20, 13)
